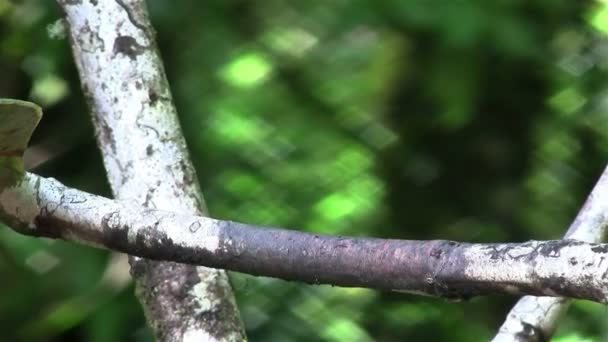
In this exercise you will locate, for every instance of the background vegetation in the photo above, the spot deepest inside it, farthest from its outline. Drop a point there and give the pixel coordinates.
(471, 120)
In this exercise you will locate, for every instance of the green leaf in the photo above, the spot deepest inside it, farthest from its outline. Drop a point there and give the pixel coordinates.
(18, 119)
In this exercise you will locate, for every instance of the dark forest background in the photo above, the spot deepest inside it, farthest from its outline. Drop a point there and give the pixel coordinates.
(480, 121)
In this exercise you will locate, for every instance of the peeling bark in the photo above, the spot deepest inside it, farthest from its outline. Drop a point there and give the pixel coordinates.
(449, 269)
(146, 160)
(535, 318)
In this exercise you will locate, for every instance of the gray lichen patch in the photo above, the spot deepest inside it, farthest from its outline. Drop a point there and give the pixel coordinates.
(18, 206)
(215, 305)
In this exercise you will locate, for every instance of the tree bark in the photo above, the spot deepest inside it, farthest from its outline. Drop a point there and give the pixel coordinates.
(147, 162)
(44, 207)
(535, 318)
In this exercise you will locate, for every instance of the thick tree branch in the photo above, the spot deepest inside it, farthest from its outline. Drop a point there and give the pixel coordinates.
(146, 160)
(44, 207)
(535, 318)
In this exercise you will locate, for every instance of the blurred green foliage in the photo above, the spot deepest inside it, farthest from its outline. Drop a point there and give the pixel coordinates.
(468, 120)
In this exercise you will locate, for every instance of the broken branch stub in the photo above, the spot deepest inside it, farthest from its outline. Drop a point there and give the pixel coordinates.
(18, 119)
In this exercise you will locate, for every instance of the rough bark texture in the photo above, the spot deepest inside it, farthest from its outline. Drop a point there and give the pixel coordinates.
(146, 160)
(535, 318)
(44, 207)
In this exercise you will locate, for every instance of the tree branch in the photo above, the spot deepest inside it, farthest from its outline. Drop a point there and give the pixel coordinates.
(147, 161)
(535, 318)
(44, 207)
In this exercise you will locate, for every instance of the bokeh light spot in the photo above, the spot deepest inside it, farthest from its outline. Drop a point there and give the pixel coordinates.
(567, 101)
(336, 206)
(599, 18)
(293, 41)
(49, 89)
(247, 70)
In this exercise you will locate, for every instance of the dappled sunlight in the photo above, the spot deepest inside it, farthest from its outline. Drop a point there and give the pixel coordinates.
(475, 121)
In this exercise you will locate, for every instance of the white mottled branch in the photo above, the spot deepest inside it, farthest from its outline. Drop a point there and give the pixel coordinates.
(535, 318)
(44, 207)
(146, 159)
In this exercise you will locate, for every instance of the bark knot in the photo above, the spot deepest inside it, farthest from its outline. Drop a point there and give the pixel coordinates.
(128, 46)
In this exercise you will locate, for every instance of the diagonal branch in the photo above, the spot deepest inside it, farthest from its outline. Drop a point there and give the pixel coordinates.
(535, 318)
(44, 207)
(146, 159)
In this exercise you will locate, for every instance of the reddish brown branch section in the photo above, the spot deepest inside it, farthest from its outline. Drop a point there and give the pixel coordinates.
(441, 268)
(437, 267)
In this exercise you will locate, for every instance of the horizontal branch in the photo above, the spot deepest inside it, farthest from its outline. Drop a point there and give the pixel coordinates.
(44, 207)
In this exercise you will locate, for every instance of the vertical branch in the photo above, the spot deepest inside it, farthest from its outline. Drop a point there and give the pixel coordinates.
(146, 160)
(535, 318)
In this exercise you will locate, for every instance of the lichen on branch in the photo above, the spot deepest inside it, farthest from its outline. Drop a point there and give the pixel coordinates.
(448, 269)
